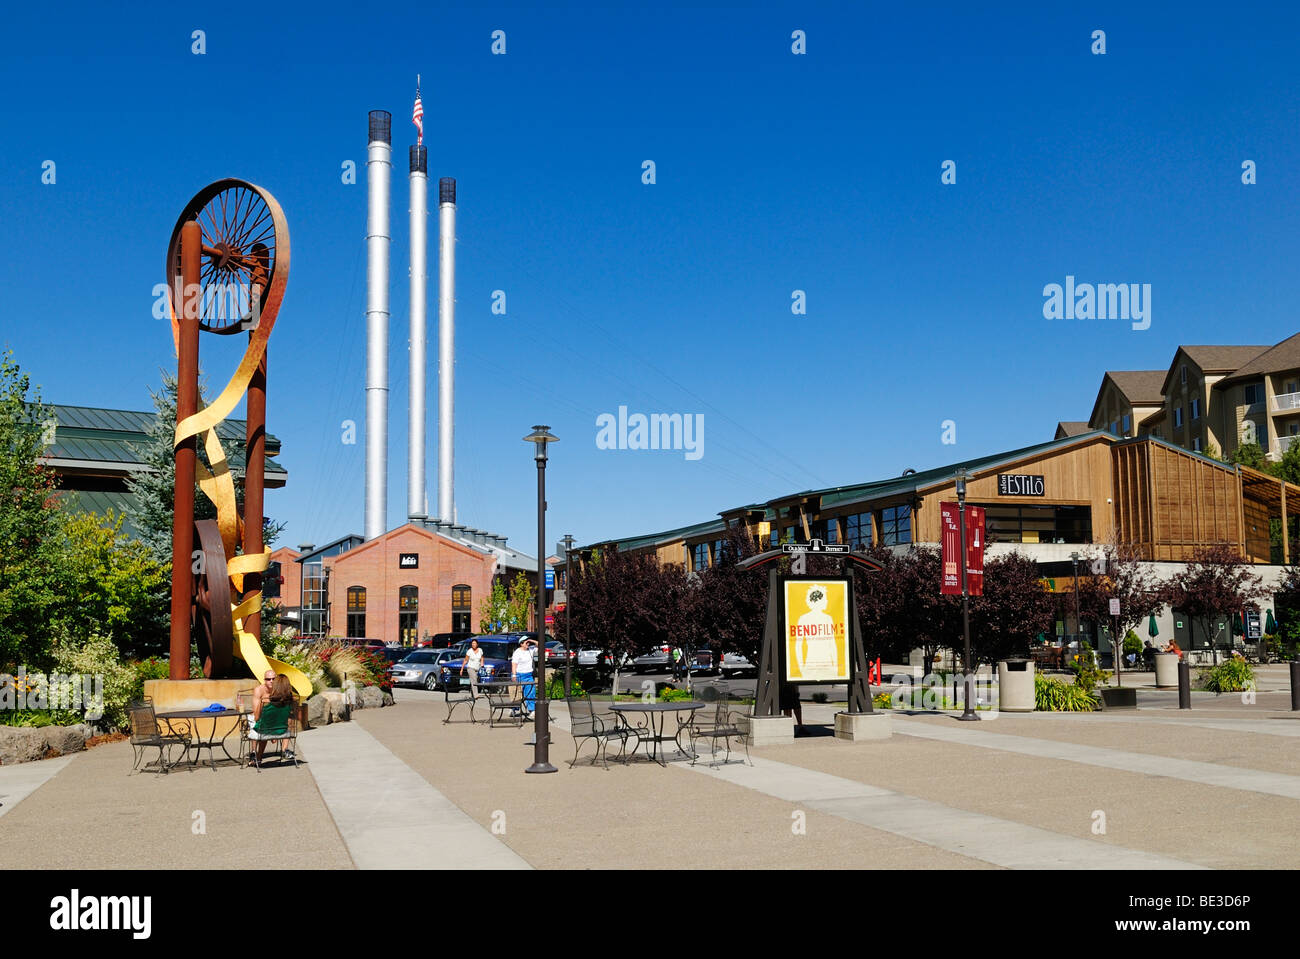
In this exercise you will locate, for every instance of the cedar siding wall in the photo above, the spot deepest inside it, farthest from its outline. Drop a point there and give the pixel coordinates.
(1080, 476)
(1170, 503)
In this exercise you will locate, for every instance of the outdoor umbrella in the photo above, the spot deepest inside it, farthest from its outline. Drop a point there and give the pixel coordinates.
(1152, 629)
(1237, 628)
(1270, 624)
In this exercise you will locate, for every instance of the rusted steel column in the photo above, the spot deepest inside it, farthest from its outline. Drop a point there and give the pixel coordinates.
(187, 403)
(255, 450)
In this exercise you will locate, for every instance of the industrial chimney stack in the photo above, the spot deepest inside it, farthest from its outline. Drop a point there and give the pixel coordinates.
(446, 346)
(416, 500)
(378, 240)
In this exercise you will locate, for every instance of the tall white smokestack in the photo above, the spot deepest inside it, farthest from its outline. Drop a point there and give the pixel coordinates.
(416, 501)
(378, 176)
(446, 345)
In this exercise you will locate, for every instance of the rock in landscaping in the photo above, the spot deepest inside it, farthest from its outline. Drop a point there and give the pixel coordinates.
(66, 739)
(318, 710)
(334, 699)
(372, 697)
(388, 699)
(20, 744)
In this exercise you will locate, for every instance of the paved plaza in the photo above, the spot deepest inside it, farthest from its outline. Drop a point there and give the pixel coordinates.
(1215, 787)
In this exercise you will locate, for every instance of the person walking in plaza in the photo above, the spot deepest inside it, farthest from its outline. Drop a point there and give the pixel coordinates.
(677, 662)
(521, 671)
(471, 664)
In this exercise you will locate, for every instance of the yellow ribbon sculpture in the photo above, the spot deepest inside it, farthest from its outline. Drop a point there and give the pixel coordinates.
(218, 484)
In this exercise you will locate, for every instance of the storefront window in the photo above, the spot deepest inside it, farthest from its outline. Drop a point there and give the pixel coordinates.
(857, 530)
(356, 611)
(896, 525)
(1038, 524)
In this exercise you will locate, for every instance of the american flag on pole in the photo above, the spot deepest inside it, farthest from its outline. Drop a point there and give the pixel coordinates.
(417, 115)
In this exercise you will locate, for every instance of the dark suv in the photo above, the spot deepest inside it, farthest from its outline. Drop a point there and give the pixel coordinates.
(447, 640)
(497, 651)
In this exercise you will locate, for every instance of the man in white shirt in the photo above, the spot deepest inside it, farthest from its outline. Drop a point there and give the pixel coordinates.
(521, 671)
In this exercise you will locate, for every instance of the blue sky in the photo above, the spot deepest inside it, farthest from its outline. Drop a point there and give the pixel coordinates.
(775, 172)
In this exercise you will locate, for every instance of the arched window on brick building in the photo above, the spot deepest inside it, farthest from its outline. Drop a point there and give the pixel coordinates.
(356, 611)
(461, 610)
(408, 615)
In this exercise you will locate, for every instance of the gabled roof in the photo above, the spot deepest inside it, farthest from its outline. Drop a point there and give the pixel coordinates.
(1222, 359)
(898, 486)
(1138, 387)
(1213, 359)
(1278, 359)
(1067, 428)
(940, 475)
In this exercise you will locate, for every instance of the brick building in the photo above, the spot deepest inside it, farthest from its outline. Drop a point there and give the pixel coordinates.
(408, 583)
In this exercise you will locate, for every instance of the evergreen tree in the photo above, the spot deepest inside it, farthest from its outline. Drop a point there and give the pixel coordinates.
(32, 566)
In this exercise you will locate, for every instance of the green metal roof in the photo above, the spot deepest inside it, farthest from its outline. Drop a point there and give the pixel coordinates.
(92, 435)
(98, 501)
(684, 532)
(881, 489)
(913, 482)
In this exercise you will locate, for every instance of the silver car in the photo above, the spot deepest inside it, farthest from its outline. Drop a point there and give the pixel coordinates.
(420, 668)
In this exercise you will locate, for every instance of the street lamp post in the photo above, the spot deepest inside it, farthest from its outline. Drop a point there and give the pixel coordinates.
(968, 712)
(568, 626)
(539, 437)
(1078, 637)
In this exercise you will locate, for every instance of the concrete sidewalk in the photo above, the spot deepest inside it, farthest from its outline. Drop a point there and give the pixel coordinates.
(399, 788)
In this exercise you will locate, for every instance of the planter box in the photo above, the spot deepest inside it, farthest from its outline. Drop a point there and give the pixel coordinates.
(1118, 698)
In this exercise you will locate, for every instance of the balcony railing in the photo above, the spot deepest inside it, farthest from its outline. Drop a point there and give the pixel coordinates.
(1284, 442)
(1286, 401)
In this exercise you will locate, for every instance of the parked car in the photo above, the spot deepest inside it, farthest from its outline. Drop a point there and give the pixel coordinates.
(374, 645)
(555, 653)
(445, 640)
(420, 667)
(658, 660)
(496, 662)
(735, 664)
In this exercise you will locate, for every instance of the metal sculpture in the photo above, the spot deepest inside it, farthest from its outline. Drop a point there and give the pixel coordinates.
(226, 270)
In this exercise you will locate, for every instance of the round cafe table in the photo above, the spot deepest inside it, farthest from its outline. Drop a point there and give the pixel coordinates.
(196, 741)
(659, 711)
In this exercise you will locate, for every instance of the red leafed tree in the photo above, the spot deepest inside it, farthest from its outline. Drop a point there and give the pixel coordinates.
(1014, 609)
(1216, 583)
(1140, 592)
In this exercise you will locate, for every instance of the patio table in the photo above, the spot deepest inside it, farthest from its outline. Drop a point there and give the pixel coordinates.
(197, 742)
(660, 710)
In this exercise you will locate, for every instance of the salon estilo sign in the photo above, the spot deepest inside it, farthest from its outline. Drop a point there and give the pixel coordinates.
(1020, 484)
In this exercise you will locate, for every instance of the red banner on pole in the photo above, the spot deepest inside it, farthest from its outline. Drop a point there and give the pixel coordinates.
(975, 550)
(950, 526)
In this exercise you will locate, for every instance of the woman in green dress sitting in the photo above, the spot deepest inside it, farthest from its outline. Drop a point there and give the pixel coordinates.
(271, 717)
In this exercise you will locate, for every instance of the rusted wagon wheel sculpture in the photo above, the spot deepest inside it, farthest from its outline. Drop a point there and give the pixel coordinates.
(242, 228)
(242, 271)
(214, 627)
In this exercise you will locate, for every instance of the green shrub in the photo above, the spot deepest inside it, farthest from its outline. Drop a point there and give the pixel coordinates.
(1087, 674)
(1056, 695)
(1132, 644)
(98, 656)
(820, 698)
(1233, 675)
(155, 667)
(555, 686)
(882, 701)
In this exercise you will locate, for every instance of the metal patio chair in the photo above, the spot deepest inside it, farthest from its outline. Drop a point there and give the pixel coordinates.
(147, 734)
(585, 723)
